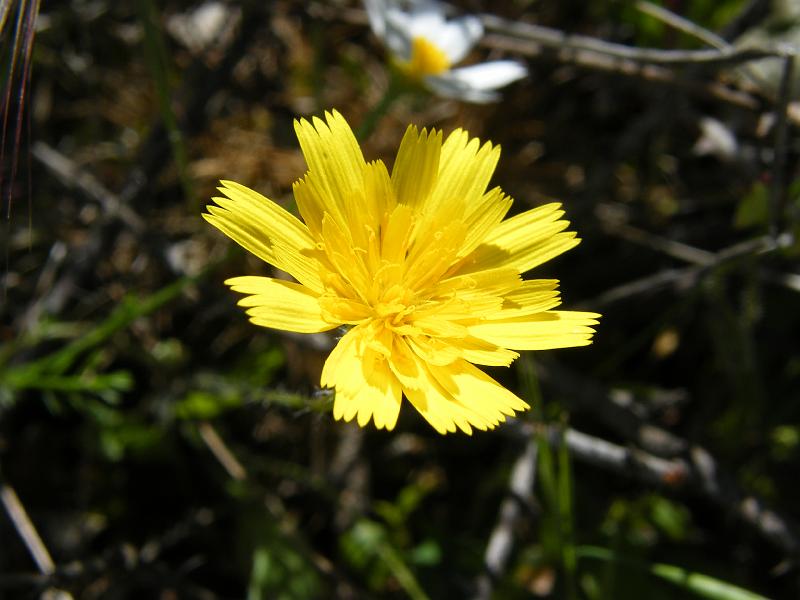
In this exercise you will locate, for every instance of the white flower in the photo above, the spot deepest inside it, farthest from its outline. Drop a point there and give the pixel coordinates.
(426, 45)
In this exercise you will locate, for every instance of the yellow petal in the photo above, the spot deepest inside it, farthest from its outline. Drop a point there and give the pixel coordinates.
(416, 166)
(344, 406)
(347, 259)
(338, 368)
(380, 195)
(364, 386)
(438, 327)
(465, 169)
(382, 394)
(280, 304)
(463, 308)
(494, 282)
(443, 411)
(343, 310)
(483, 217)
(480, 352)
(311, 203)
(524, 241)
(432, 350)
(396, 234)
(540, 331)
(262, 227)
(478, 392)
(429, 259)
(535, 295)
(335, 162)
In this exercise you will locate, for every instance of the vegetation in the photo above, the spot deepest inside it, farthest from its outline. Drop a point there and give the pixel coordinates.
(153, 443)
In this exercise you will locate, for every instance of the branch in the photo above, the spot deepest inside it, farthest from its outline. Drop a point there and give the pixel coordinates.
(221, 452)
(583, 395)
(629, 68)
(31, 538)
(574, 44)
(74, 177)
(689, 468)
(702, 260)
(26, 530)
(630, 462)
(681, 24)
(520, 492)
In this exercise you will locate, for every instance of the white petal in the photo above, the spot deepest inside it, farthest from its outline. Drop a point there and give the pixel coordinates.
(489, 75)
(427, 20)
(398, 38)
(458, 37)
(450, 87)
(376, 11)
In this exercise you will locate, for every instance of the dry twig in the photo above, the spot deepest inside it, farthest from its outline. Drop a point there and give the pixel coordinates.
(520, 493)
(221, 452)
(25, 529)
(569, 44)
(31, 538)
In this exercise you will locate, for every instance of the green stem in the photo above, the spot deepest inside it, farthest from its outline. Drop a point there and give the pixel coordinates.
(392, 93)
(158, 61)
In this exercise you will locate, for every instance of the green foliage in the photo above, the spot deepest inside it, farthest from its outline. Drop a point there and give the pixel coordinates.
(785, 442)
(202, 405)
(106, 408)
(280, 571)
(646, 521)
(121, 436)
(367, 547)
(63, 372)
(384, 550)
(697, 584)
(753, 209)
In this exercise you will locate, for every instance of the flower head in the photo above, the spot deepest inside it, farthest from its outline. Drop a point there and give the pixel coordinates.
(426, 46)
(420, 265)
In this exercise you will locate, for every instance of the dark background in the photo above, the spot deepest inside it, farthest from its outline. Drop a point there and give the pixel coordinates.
(163, 447)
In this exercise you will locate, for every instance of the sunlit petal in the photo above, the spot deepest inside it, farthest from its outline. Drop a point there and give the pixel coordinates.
(280, 304)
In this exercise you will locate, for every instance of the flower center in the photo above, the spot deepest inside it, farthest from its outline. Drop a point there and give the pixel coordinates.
(394, 308)
(426, 59)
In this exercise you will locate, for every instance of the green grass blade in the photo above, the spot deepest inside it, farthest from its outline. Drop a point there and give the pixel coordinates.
(158, 60)
(702, 586)
(128, 311)
(404, 575)
(569, 558)
(47, 372)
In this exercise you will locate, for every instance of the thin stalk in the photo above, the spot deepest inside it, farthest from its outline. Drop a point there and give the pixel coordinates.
(777, 202)
(698, 584)
(392, 93)
(157, 58)
(569, 560)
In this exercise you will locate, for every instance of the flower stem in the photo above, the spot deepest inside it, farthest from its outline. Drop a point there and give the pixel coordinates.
(392, 93)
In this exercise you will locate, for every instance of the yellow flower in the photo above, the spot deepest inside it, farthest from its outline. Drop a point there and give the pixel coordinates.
(419, 265)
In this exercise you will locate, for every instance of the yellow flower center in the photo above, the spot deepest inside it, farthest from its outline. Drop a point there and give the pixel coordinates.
(394, 308)
(426, 59)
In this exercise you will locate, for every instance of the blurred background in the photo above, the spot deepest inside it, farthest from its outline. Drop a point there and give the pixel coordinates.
(154, 444)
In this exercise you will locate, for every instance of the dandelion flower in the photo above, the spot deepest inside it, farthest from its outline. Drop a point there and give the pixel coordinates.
(426, 46)
(419, 266)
